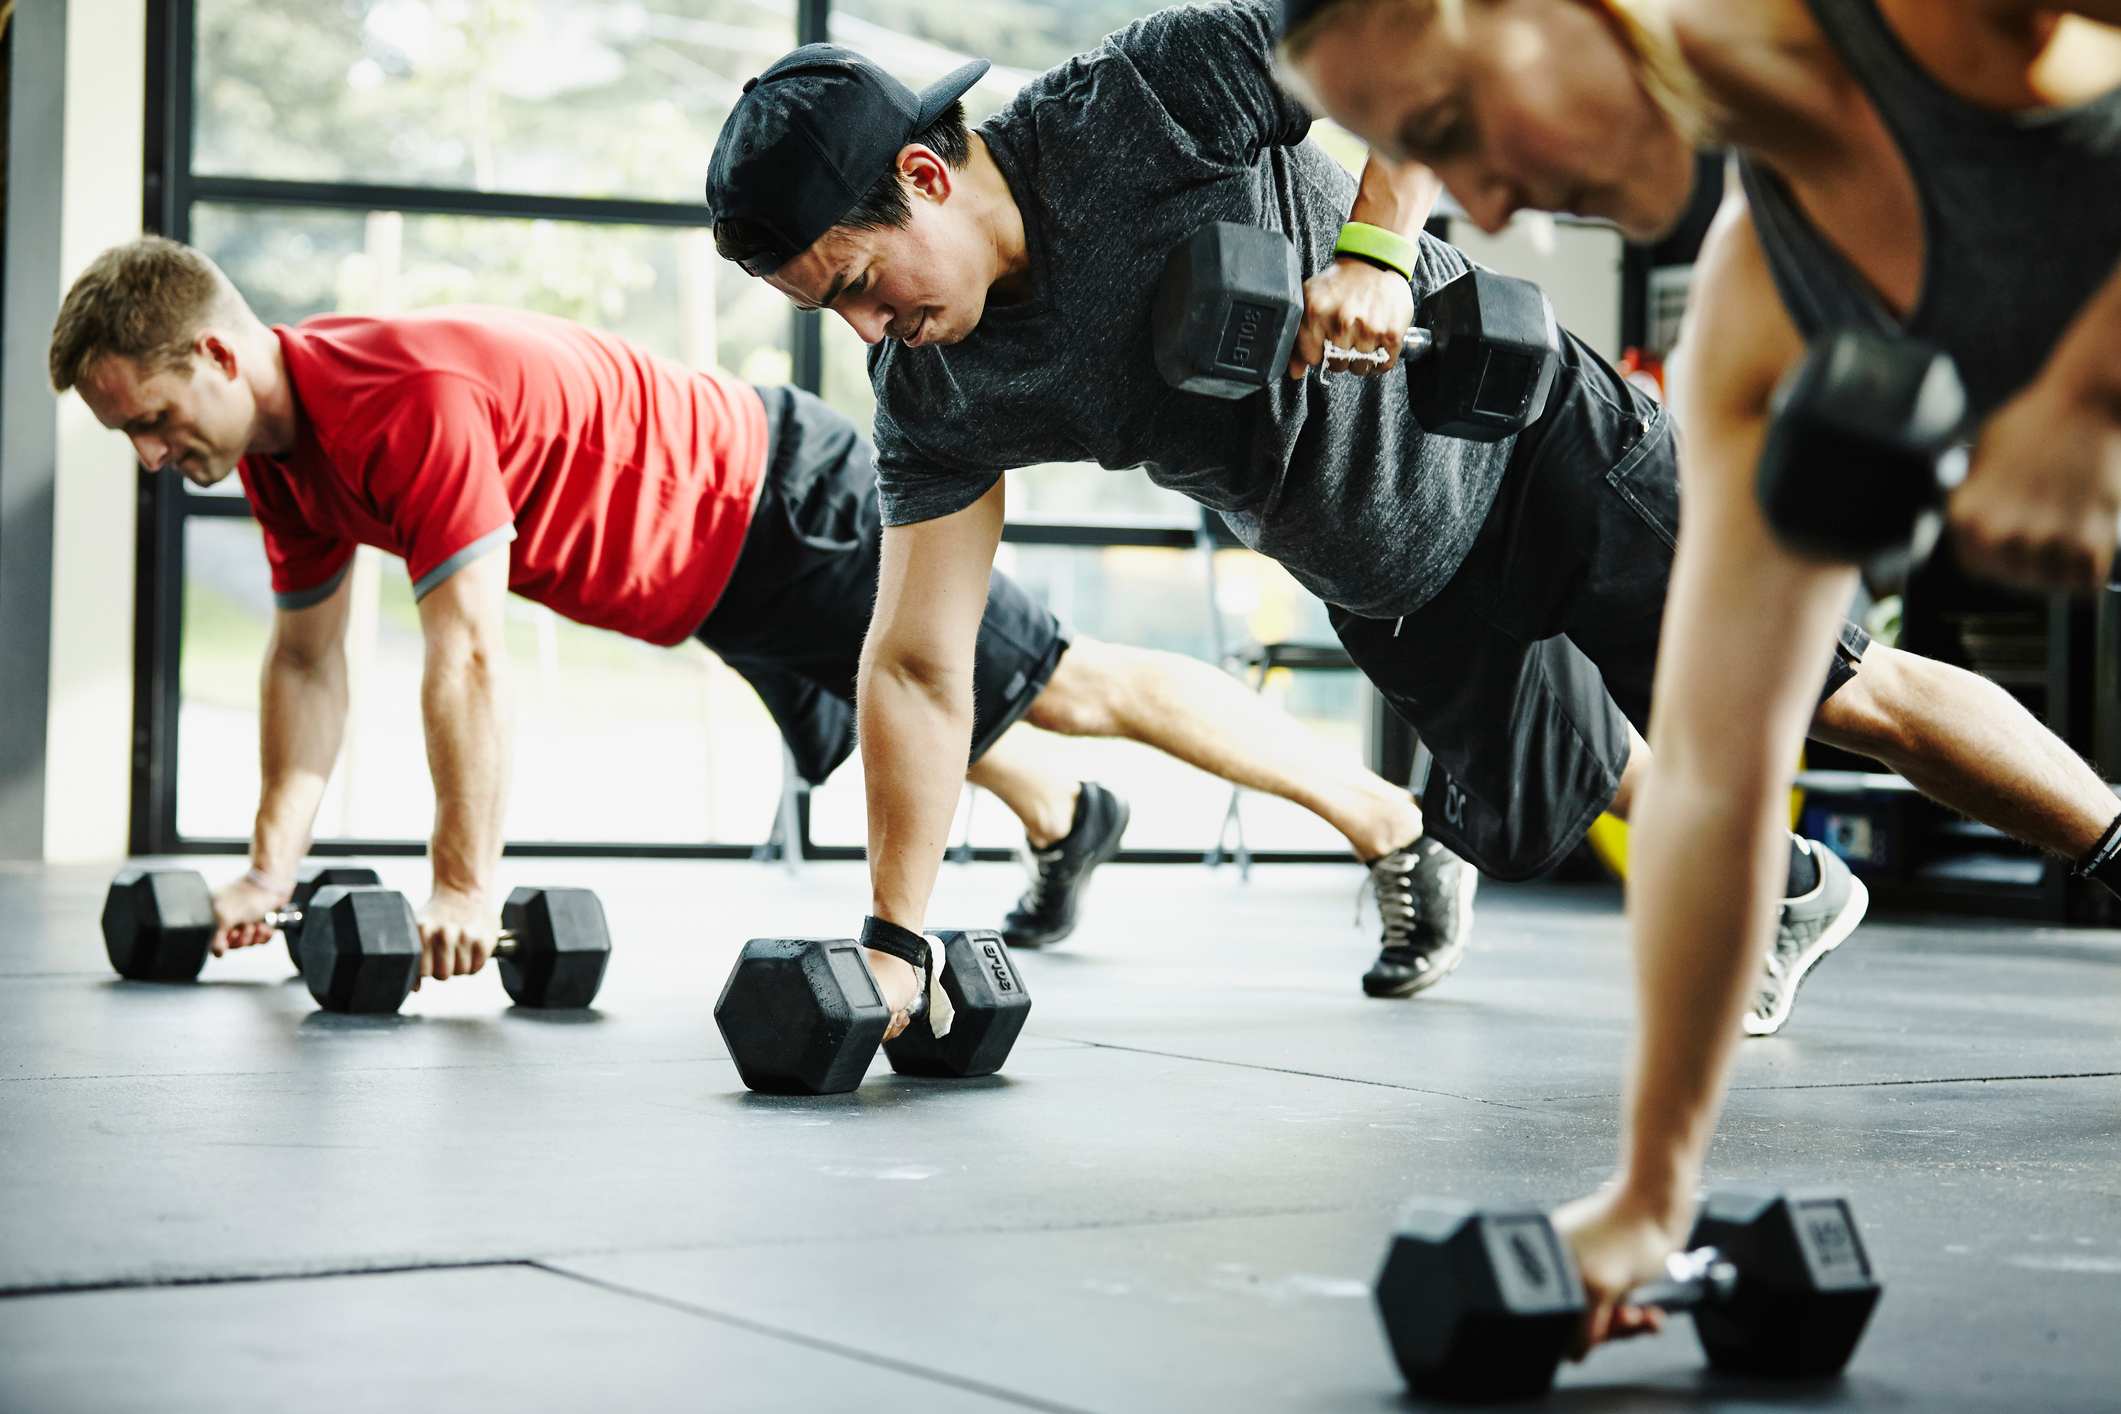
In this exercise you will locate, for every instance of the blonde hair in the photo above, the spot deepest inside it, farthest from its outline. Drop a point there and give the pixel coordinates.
(145, 300)
(1646, 26)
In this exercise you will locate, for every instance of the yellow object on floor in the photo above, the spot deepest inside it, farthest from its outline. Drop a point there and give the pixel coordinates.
(1608, 837)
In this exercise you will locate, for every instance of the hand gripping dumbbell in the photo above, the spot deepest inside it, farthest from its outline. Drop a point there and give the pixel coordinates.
(1482, 1306)
(360, 948)
(158, 924)
(1231, 302)
(804, 1016)
(1865, 442)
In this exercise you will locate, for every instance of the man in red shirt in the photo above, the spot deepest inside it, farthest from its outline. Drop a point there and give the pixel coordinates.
(495, 450)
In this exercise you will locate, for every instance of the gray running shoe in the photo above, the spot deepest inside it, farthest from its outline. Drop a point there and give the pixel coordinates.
(1424, 896)
(1813, 925)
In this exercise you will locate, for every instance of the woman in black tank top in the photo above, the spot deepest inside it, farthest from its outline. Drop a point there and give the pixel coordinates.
(1895, 178)
(1899, 177)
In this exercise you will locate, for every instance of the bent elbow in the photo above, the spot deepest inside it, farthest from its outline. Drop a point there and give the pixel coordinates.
(935, 677)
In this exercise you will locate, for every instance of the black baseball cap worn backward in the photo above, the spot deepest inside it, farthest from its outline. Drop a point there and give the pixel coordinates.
(809, 137)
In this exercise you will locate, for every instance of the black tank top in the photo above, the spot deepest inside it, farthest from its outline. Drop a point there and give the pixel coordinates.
(2021, 213)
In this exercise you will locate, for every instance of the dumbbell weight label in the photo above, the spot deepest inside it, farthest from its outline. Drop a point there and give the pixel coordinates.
(1531, 1270)
(1831, 1247)
(853, 975)
(1245, 336)
(1506, 383)
(997, 966)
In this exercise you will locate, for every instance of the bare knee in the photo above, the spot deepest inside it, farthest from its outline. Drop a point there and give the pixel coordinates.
(1084, 695)
(1868, 713)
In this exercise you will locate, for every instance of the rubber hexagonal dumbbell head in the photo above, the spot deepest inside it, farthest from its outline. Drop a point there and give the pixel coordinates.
(360, 949)
(1226, 310)
(561, 947)
(309, 880)
(1805, 1287)
(1850, 465)
(158, 924)
(1477, 1306)
(991, 1003)
(801, 1016)
(1495, 357)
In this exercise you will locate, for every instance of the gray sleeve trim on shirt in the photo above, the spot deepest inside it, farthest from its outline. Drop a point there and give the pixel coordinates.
(909, 500)
(310, 598)
(428, 582)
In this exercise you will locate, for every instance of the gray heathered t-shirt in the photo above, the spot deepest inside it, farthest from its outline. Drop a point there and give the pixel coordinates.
(1115, 157)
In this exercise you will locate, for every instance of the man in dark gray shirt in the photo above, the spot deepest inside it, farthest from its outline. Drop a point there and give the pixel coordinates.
(1505, 597)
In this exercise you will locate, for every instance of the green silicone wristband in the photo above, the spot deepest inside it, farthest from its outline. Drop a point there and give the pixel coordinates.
(1387, 250)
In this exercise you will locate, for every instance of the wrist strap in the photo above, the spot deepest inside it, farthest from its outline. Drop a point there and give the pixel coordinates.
(902, 943)
(910, 947)
(1374, 245)
(2099, 860)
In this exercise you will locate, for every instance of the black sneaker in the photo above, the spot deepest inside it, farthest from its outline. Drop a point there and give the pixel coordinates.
(1046, 912)
(1811, 927)
(1425, 898)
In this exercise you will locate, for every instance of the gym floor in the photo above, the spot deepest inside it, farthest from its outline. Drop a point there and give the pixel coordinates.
(1173, 1197)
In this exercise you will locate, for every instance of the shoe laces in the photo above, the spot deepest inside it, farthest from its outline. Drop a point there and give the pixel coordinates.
(1391, 883)
(1042, 865)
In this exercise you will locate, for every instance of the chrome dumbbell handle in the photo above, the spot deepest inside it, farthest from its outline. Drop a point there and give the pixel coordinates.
(1417, 342)
(1702, 1277)
(281, 919)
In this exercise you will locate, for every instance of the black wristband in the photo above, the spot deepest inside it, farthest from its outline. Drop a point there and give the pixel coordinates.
(902, 943)
(2103, 860)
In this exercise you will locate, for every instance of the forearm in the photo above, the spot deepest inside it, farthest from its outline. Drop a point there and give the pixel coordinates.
(463, 701)
(1705, 861)
(1398, 198)
(301, 724)
(916, 735)
(2088, 359)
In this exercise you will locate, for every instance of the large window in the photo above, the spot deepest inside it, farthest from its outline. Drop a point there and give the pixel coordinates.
(554, 97)
(374, 156)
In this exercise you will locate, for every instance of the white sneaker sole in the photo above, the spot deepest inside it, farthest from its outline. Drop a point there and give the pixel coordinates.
(1837, 932)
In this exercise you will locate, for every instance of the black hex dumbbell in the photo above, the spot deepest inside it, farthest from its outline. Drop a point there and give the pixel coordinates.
(158, 925)
(1230, 303)
(1482, 1306)
(804, 1016)
(360, 948)
(307, 884)
(1865, 441)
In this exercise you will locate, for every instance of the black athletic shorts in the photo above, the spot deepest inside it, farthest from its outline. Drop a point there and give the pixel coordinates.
(797, 607)
(1523, 674)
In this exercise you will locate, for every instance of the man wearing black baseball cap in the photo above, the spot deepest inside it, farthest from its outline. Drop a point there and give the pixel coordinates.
(1505, 596)
(808, 140)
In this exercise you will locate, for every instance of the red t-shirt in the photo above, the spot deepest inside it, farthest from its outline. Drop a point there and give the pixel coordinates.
(626, 481)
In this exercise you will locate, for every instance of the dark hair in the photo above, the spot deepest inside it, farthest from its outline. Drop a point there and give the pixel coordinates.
(884, 205)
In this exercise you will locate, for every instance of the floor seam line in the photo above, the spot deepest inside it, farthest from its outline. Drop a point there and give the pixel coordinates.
(13, 1293)
(639, 1249)
(810, 1342)
(1041, 1229)
(1307, 1074)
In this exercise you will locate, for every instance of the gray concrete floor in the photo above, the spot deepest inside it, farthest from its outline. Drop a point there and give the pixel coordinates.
(213, 1197)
